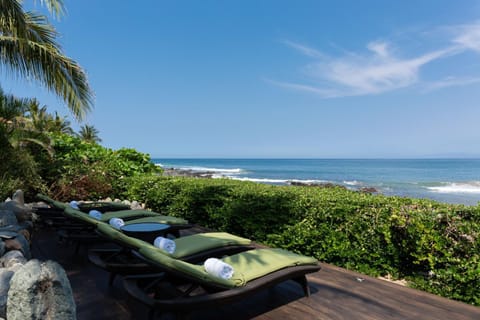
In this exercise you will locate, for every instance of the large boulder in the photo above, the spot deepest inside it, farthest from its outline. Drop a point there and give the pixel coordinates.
(5, 277)
(18, 197)
(21, 212)
(2, 247)
(19, 242)
(12, 258)
(40, 290)
(7, 218)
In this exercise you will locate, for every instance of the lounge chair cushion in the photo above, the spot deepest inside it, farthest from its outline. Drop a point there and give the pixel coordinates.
(158, 219)
(185, 246)
(109, 232)
(247, 266)
(80, 215)
(86, 206)
(189, 245)
(102, 206)
(128, 214)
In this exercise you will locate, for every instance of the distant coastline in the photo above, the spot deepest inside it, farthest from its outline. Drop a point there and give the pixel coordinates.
(444, 180)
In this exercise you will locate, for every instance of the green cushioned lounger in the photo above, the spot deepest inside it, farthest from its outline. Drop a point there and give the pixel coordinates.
(191, 248)
(253, 270)
(201, 244)
(129, 216)
(142, 216)
(101, 206)
(248, 265)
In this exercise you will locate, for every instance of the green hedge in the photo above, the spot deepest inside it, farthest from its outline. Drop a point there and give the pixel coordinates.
(433, 245)
(84, 170)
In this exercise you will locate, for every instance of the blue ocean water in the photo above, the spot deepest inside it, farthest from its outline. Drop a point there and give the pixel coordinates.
(444, 180)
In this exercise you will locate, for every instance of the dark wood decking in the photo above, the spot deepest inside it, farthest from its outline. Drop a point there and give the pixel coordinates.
(336, 293)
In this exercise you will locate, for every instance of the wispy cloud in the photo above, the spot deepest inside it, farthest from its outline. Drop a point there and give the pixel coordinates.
(309, 52)
(451, 82)
(468, 36)
(379, 69)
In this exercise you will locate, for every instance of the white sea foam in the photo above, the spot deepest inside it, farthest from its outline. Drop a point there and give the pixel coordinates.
(472, 187)
(224, 171)
(217, 170)
(309, 181)
(261, 180)
(352, 183)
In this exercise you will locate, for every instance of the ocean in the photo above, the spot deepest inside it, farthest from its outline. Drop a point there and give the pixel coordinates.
(445, 180)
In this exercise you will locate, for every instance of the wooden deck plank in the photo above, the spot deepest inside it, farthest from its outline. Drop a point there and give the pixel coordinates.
(336, 293)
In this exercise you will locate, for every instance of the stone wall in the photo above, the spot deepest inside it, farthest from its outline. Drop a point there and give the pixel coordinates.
(29, 289)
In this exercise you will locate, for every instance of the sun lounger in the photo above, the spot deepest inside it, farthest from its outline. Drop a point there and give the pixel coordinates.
(254, 270)
(120, 211)
(53, 216)
(86, 233)
(85, 206)
(191, 248)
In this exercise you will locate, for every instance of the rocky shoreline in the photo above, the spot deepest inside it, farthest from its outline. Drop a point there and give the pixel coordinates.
(174, 172)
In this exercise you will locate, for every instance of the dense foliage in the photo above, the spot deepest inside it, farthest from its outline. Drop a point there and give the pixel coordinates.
(433, 245)
(39, 152)
(81, 169)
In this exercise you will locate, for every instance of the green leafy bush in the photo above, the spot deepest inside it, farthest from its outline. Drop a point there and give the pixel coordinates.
(432, 245)
(81, 170)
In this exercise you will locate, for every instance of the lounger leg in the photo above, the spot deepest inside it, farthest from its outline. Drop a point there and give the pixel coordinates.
(111, 278)
(181, 315)
(151, 313)
(304, 283)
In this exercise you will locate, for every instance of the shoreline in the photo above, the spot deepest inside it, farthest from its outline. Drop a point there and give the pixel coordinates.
(190, 173)
(447, 198)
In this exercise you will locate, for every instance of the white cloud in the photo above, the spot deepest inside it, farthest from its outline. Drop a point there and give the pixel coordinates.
(309, 52)
(379, 69)
(468, 36)
(380, 48)
(451, 82)
(353, 74)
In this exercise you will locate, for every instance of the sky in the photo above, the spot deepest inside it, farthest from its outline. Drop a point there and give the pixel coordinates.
(276, 79)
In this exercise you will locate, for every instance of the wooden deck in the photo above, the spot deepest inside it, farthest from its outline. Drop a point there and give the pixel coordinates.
(336, 293)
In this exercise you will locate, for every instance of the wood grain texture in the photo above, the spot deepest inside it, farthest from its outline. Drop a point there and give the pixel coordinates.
(336, 293)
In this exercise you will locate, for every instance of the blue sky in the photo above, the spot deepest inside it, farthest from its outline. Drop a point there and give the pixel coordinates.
(323, 79)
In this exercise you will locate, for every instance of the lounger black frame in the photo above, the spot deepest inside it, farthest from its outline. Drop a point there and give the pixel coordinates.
(113, 260)
(140, 287)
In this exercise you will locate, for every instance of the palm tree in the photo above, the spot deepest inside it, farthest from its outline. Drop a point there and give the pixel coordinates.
(45, 122)
(16, 130)
(20, 141)
(89, 134)
(28, 48)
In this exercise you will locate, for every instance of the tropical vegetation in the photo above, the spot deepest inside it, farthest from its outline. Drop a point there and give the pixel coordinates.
(434, 246)
(28, 48)
(41, 152)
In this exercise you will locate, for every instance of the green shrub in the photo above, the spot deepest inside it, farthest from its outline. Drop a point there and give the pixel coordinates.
(433, 245)
(81, 170)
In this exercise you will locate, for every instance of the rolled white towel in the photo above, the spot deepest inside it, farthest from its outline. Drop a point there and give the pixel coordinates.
(74, 205)
(218, 268)
(165, 244)
(95, 214)
(117, 223)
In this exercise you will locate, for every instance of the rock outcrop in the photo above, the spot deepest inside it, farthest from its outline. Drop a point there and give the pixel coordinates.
(28, 289)
(40, 290)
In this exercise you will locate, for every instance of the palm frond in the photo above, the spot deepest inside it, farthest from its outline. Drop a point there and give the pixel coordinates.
(29, 49)
(12, 18)
(45, 63)
(56, 7)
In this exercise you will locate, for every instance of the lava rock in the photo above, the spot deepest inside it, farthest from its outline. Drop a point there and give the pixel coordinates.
(40, 290)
